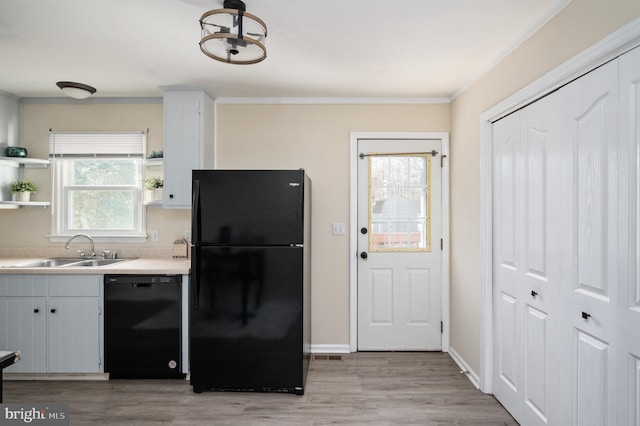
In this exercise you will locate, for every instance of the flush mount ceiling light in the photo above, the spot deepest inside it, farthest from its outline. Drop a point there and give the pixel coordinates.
(75, 90)
(232, 35)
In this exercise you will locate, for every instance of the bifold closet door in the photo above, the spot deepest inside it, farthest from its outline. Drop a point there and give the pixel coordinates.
(588, 131)
(526, 285)
(558, 216)
(628, 337)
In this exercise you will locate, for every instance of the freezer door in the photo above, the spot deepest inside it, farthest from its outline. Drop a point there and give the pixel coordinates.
(247, 207)
(246, 329)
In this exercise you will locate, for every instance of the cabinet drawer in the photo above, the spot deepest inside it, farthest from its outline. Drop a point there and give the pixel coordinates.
(23, 285)
(75, 285)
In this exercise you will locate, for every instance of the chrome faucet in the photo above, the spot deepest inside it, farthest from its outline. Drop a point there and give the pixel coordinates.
(93, 250)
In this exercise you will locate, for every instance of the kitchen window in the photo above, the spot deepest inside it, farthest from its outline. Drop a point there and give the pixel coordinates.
(97, 185)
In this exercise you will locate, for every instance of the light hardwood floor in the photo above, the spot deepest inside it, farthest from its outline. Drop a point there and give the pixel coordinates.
(415, 388)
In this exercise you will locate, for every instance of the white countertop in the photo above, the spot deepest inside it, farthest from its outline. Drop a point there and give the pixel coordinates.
(129, 266)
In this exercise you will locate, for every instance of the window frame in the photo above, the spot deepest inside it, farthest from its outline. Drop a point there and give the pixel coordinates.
(62, 157)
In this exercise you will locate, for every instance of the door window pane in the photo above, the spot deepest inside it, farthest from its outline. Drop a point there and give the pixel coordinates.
(399, 203)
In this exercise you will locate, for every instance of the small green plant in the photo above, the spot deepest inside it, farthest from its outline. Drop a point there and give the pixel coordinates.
(153, 183)
(23, 186)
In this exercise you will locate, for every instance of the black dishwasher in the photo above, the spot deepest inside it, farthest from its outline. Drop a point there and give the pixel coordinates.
(142, 332)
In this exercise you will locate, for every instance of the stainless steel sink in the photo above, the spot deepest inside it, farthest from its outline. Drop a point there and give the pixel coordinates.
(70, 263)
(47, 263)
(96, 262)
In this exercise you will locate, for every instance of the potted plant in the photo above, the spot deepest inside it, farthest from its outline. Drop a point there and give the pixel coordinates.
(154, 187)
(22, 189)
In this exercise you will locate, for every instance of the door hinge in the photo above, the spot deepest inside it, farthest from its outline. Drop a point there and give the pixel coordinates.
(442, 157)
(441, 244)
(99, 311)
(99, 360)
(441, 327)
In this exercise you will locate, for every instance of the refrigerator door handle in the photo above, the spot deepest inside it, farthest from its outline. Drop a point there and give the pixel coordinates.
(195, 278)
(195, 238)
(195, 213)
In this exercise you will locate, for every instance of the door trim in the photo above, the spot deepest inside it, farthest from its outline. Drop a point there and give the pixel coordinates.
(353, 227)
(607, 49)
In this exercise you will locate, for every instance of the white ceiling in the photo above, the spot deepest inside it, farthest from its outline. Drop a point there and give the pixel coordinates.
(413, 49)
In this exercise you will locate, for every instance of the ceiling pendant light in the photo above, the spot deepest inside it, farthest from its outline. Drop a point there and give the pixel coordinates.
(75, 90)
(232, 35)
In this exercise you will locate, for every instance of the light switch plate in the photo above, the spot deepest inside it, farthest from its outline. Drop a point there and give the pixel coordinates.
(337, 229)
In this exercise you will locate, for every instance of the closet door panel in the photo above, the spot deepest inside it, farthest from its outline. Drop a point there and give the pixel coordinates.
(540, 271)
(507, 257)
(628, 337)
(590, 127)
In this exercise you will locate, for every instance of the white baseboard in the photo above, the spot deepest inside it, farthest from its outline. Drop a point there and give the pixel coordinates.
(330, 349)
(56, 376)
(464, 367)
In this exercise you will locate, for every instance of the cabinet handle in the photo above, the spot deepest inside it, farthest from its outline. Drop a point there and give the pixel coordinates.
(36, 310)
(170, 195)
(534, 293)
(53, 311)
(585, 315)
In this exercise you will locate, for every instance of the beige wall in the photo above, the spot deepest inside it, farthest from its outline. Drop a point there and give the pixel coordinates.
(29, 227)
(316, 138)
(581, 24)
(313, 137)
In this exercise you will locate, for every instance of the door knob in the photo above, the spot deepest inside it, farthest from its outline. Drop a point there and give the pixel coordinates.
(363, 230)
(364, 255)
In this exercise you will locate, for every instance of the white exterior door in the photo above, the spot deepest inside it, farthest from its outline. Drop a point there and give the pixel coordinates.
(399, 232)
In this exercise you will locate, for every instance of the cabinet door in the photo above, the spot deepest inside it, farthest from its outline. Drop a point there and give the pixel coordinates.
(22, 328)
(182, 145)
(73, 335)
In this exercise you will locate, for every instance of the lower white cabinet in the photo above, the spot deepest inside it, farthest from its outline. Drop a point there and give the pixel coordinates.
(55, 321)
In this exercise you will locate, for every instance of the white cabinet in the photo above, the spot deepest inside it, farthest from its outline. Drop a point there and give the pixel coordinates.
(55, 321)
(23, 328)
(188, 142)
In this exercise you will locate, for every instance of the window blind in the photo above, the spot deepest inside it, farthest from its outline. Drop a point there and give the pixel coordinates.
(96, 143)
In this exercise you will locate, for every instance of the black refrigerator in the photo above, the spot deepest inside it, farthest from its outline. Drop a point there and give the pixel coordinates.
(250, 311)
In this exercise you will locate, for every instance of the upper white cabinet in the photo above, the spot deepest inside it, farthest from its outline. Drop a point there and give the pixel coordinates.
(188, 142)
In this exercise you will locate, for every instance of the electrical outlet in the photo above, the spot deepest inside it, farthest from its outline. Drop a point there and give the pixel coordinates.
(154, 235)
